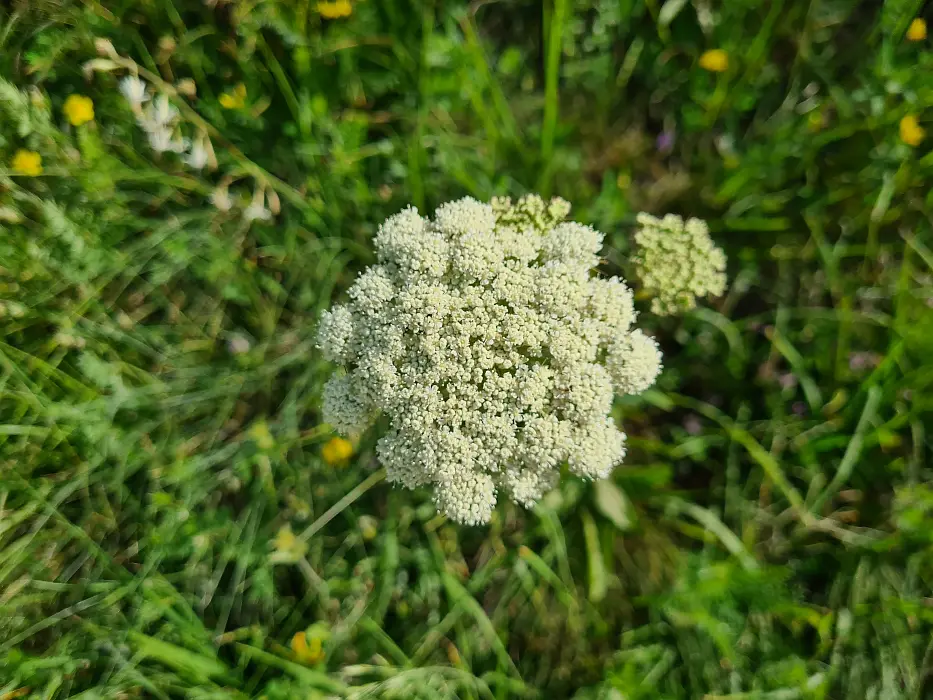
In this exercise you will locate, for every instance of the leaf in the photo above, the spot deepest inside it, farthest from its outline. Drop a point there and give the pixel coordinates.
(104, 65)
(596, 567)
(197, 666)
(669, 11)
(884, 198)
(658, 399)
(316, 679)
(711, 522)
(612, 502)
(758, 223)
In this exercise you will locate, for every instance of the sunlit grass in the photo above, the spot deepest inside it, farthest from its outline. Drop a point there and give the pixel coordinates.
(168, 520)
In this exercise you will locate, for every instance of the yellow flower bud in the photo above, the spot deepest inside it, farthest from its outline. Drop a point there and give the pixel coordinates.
(337, 451)
(235, 99)
(917, 31)
(369, 527)
(715, 60)
(911, 131)
(334, 9)
(307, 652)
(261, 435)
(288, 549)
(308, 646)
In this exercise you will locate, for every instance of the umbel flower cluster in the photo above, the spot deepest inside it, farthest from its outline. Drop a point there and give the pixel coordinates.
(492, 347)
(676, 262)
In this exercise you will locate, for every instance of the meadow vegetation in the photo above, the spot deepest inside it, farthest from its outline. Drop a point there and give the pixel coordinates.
(176, 519)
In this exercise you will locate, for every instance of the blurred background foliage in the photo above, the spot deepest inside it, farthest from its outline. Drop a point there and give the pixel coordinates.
(169, 525)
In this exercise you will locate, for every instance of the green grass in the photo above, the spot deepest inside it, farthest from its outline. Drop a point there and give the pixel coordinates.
(769, 536)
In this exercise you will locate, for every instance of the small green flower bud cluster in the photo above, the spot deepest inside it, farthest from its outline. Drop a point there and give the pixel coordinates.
(530, 212)
(677, 262)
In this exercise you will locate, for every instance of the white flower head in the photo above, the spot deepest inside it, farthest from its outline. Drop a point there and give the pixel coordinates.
(135, 91)
(484, 336)
(163, 140)
(199, 155)
(677, 262)
(221, 198)
(159, 114)
(257, 211)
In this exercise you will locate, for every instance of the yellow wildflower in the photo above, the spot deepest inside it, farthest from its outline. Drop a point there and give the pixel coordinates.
(911, 131)
(261, 435)
(917, 31)
(304, 652)
(79, 109)
(337, 450)
(288, 548)
(235, 99)
(27, 163)
(715, 60)
(334, 9)
(308, 646)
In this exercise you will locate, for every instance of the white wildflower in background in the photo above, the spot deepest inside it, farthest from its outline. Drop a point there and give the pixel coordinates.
(168, 131)
(159, 114)
(165, 131)
(677, 262)
(199, 156)
(257, 211)
(221, 198)
(159, 118)
(494, 351)
(162, 140)
(135, 91)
